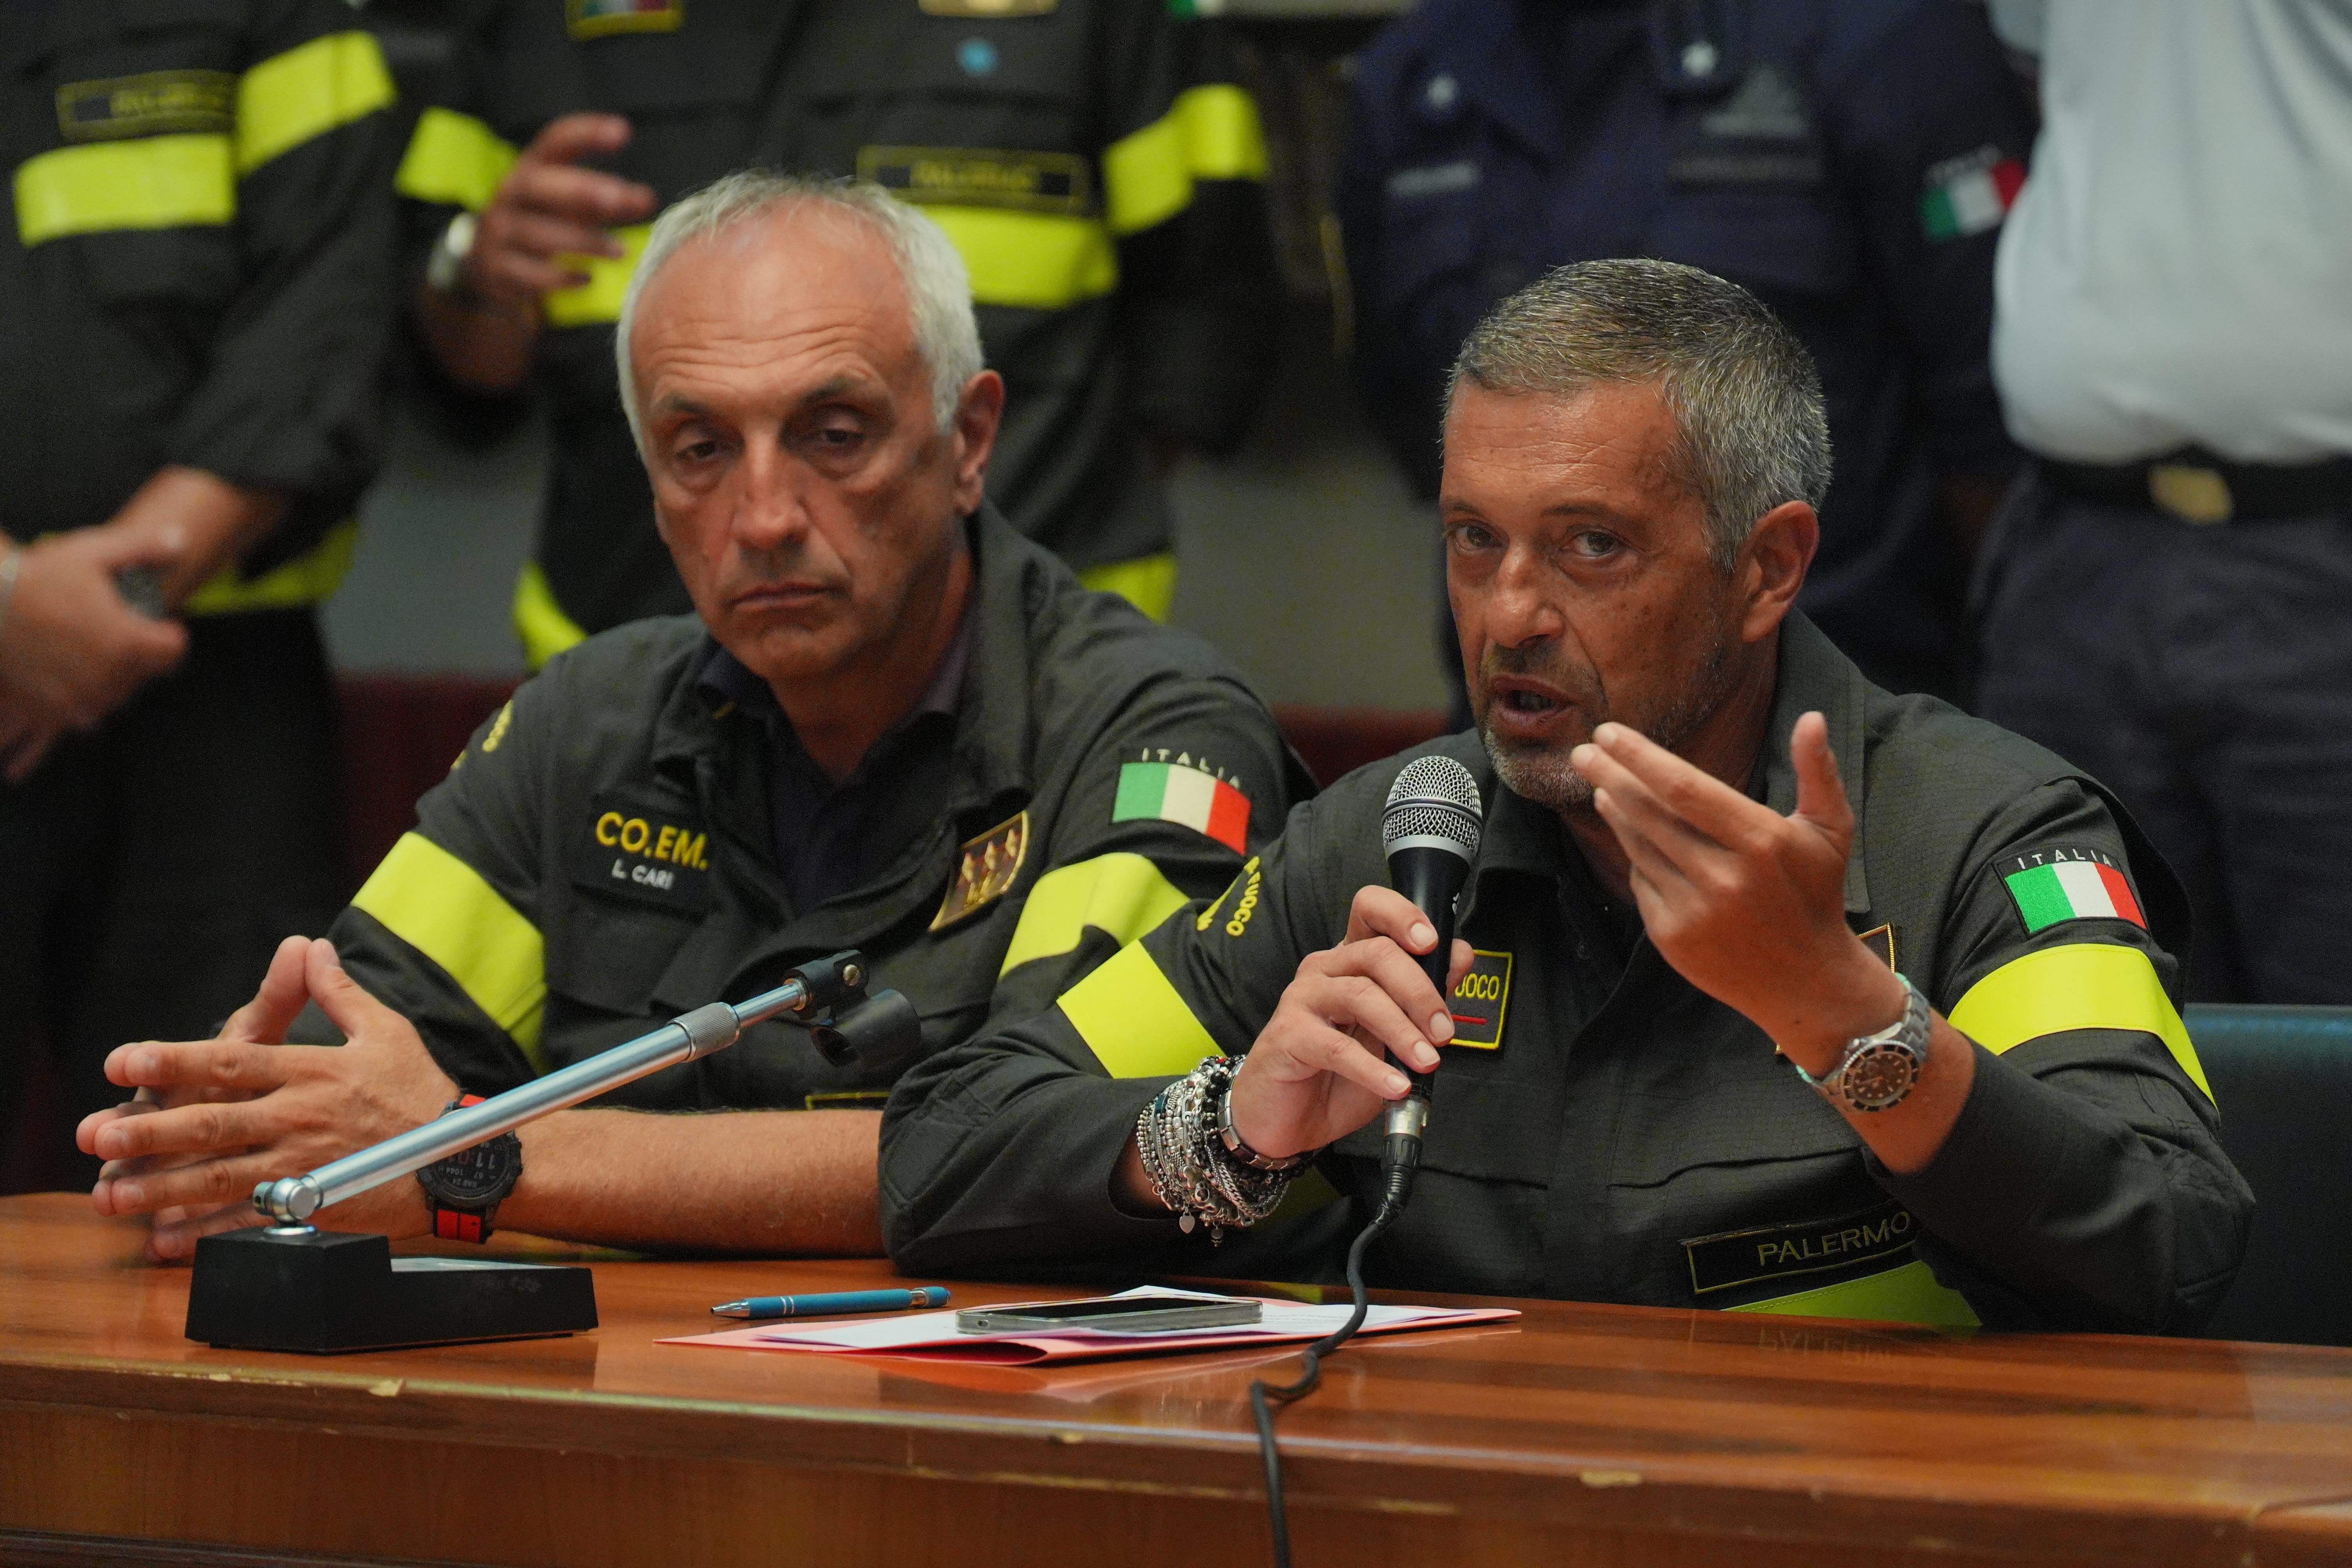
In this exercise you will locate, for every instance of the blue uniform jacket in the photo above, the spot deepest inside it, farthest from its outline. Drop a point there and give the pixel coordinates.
(1849, 161)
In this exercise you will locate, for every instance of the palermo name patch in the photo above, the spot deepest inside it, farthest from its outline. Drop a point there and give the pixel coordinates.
(2071, 883)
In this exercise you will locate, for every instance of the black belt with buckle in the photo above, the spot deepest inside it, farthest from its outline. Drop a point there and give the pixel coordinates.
(2197, 486)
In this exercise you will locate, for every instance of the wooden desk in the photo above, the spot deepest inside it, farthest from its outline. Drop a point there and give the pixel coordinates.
(1585, 1436)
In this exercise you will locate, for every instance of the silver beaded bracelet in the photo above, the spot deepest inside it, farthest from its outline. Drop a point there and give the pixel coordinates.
(1188, 1164)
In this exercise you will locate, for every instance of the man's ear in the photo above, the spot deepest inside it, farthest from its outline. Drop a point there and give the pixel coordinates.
(978, 414)
(1772, 566)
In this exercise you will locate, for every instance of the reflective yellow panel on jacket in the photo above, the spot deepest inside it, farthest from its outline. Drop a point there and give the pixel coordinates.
(1038, 262)
(441, 907)
(307, 92)
(454, 159)
(598, 300)
(1909, 1294)
(1147, 582)
(2082, 985)
(1210, 132)
(149, 182)
(1122, 895)
(538, 621)
(1133, 1020)
(310, 578)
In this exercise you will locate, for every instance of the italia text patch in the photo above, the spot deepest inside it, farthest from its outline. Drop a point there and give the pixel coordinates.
(1968, 194)
(1479, 1000)
(1182, 790)
(971, 176)
(585, 19)
(984, 870)
(2069, 883)
(649, 856)
(151, 104)
(1857, 1244)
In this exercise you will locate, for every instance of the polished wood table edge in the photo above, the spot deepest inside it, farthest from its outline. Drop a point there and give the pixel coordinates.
(1617, 1381)
(1587, 1490)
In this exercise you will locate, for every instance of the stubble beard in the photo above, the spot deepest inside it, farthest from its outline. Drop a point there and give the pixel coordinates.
(1544, 775)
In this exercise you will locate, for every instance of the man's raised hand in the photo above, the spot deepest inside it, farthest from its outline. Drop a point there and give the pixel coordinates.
(214, 1118)
(1747, 904)
(1322, 1065)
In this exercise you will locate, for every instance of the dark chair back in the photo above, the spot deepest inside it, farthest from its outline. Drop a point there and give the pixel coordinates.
(2282, 1077)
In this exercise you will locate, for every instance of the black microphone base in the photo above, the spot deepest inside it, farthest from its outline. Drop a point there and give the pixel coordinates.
(325, 1292)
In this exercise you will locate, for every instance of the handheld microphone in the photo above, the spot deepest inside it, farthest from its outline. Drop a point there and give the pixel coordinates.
(1430, 833)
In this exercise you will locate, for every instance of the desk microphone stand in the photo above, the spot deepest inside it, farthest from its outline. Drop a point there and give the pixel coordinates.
(291, 1287)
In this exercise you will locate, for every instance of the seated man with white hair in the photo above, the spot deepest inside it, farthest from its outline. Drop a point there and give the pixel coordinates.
(892, 724)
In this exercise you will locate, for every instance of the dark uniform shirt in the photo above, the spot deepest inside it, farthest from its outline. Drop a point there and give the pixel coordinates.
(198, 271)
(1603, 1131)
(1091, 159)
(831, 836)
(1847, 161)
(601, 859)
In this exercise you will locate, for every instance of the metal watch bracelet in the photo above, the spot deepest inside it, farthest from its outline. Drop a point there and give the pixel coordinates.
(1877, 1072)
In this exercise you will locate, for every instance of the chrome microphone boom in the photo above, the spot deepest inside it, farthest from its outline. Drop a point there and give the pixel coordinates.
(292, 1200)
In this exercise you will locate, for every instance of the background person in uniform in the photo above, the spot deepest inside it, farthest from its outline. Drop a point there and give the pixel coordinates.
(1098, 171)
(195, 305)
(1708, 839)
(1849, 162)
(2171, 601)
(894, 724)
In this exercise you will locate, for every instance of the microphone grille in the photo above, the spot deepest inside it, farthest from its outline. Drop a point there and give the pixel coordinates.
(1433, 799)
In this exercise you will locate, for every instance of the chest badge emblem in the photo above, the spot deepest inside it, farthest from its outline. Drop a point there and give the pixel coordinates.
(985, 867)
(1480, 999)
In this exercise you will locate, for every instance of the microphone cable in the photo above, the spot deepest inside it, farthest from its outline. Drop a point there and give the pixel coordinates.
(1430, 829)
(1264, 1395)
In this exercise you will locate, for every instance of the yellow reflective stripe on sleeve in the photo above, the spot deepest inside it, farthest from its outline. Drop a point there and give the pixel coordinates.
(454, 159)
(538, 621)
(307, 92)
(153, 182)
(1223, 137)
(1210, 132)
(441, 907)
(1121, 895)
(598, 301)
(2082, 985)
(1133, 1020)
(1147, 582)
(1038, 262)
(310, 578)
(1910, 1294)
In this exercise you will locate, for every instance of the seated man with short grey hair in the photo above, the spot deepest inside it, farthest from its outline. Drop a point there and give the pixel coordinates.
(893, 724)
(1775, 993)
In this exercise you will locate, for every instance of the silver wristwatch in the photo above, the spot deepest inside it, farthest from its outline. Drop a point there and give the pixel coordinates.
(444, 267)
(1875, 1072)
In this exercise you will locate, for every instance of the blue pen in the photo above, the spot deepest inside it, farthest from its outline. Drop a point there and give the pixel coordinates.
(832, 1301)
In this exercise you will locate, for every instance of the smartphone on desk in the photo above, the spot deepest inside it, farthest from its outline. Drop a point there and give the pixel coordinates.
(1110, 1314)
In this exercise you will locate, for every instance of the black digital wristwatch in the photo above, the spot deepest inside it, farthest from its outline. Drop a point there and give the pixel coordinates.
(464, 1190)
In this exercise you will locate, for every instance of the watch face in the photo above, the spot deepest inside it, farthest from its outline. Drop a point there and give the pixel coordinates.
(474, 1176)
(1878, 1077)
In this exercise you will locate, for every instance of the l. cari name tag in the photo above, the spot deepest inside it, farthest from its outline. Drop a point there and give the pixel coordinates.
(646, 854)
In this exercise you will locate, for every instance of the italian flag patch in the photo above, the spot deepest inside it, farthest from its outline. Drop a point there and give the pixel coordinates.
(2054, 885)
(1179, 792)
(1969, 195)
